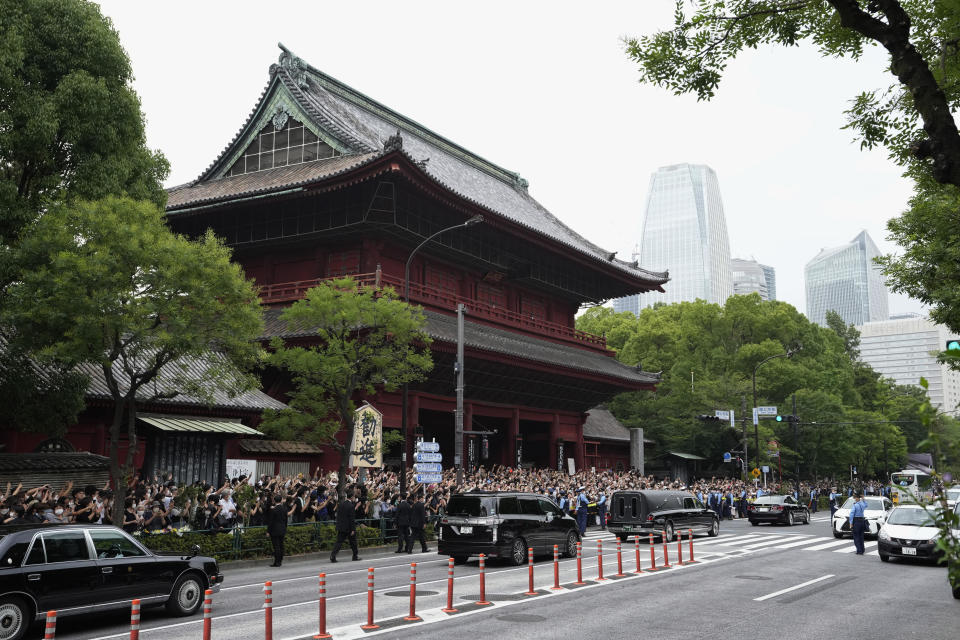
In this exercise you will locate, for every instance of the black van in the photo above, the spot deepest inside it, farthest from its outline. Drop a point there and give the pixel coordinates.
(504, 524)
(662, 513)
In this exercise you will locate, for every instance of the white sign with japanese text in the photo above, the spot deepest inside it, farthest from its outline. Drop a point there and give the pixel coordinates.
(367, 447)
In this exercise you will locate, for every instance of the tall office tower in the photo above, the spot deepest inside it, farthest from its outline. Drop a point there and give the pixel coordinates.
(684, 232)
(905, 350)
(770, 275)
(846, 280)
(749, 276)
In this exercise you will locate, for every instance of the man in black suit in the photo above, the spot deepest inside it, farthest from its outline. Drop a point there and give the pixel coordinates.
(277, 528)
(346, 526)
(404, 512)
(418, 520)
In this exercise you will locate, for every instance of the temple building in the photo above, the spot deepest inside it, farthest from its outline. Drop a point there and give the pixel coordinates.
(322, 181)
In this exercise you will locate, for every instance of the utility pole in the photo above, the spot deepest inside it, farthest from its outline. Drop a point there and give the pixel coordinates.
(458, 420)
(743, 421)
(796, 443)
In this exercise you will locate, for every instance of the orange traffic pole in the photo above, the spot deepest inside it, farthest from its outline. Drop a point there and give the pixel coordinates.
(679, 549)
(207, 613)
(556, 568)
(600, 561)
(620, 572)
(690, 538)
(530, 590)
(580, 564)
(666, 551)
(653, 556)
(323, 635)
(50, 630)
(370, 624)
(268, 610)
(449, 608)
(413, 617)
(483, 582)
(636, 542)
(134, 620)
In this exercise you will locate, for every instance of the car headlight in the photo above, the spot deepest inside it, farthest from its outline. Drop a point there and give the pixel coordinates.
(883, 535)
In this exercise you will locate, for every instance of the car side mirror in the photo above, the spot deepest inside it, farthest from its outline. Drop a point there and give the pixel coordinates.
(194, 550)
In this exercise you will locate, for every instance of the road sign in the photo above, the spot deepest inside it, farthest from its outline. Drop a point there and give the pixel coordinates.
(727, 457)
(773, 454)
(755, 473)
(427, 457)
(427, 478)
(428, 447)
(723, 415)
(428, 467)
(767, 412)
(765, 469)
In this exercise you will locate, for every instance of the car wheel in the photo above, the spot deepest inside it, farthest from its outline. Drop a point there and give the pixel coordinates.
(460, 559)
(806, 516)
(668, 532)
(790, 518)
(714, 529)
(518, 552)
(570, 548)
(884, 557)
(187, 596)
(837, 534)
(14, 619)
(755, 523)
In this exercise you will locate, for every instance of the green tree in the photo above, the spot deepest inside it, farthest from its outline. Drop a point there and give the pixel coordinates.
(70, 127)
(107, 284)
(363, 340)
(847, 333)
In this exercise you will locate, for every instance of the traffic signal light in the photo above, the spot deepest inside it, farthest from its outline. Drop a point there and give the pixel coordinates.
(788, 419)
(953, 345)
(708, 418)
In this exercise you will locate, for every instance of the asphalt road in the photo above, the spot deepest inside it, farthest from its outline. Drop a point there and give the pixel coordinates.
(750, 582)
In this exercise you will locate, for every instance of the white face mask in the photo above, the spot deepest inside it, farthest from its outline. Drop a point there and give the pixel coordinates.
(58, 511)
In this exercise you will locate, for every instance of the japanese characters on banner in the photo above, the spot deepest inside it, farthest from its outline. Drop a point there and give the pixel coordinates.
(367, 447)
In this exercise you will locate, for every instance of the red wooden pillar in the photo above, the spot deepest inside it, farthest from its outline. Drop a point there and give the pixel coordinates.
(514, 434)
(554, 438)
(578, 445)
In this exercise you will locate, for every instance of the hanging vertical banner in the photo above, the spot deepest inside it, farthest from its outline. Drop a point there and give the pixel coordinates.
(367, 447)
(559, 455)
(519, 451)
(484, 448)
(471, 453)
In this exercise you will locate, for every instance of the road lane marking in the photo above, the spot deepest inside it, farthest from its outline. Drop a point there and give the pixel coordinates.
(852, 549)
(835, 543)
(734, 539)
(777, 540)
(794, 588)
(801, 543)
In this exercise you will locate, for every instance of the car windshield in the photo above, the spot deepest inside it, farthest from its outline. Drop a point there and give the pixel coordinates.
(769, 500)
(873, 504)
(848, 503)
(953, 493)
(911, 517)
(473, 506)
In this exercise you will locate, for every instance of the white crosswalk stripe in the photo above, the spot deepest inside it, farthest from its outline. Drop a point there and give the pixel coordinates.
(866, 545)
(835, 543)
(800, 543)
(773, 540)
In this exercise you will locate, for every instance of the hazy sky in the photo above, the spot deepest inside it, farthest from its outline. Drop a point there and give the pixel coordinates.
(543, 89)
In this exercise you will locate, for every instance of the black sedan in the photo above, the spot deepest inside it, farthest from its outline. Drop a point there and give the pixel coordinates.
(76, 569)
(777, 509)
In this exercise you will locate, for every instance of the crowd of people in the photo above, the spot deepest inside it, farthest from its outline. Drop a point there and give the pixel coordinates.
(157, 504)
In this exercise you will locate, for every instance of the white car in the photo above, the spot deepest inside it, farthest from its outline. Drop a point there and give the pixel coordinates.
(876, 514)
(909, 532)
(953, 496)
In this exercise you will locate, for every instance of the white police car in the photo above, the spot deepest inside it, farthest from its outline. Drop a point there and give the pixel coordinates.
(876, 514)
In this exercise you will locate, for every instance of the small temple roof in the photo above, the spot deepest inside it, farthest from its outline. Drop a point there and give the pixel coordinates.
(482, 337)
(364, 130)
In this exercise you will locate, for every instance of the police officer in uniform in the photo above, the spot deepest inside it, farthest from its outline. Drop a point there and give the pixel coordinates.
(277, 528)
(858, 523)
(582, 509)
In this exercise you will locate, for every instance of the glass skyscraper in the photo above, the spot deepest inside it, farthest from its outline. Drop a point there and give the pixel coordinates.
(846, 280)
(685, 233)
(749, 276)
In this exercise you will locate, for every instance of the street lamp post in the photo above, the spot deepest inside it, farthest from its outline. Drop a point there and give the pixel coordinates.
(405, 392)
(756, 428)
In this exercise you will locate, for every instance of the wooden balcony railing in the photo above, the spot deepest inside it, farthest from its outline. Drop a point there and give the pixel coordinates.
(436, 298)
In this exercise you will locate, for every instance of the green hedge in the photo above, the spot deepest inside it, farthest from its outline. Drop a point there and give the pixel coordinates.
(253, 542)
